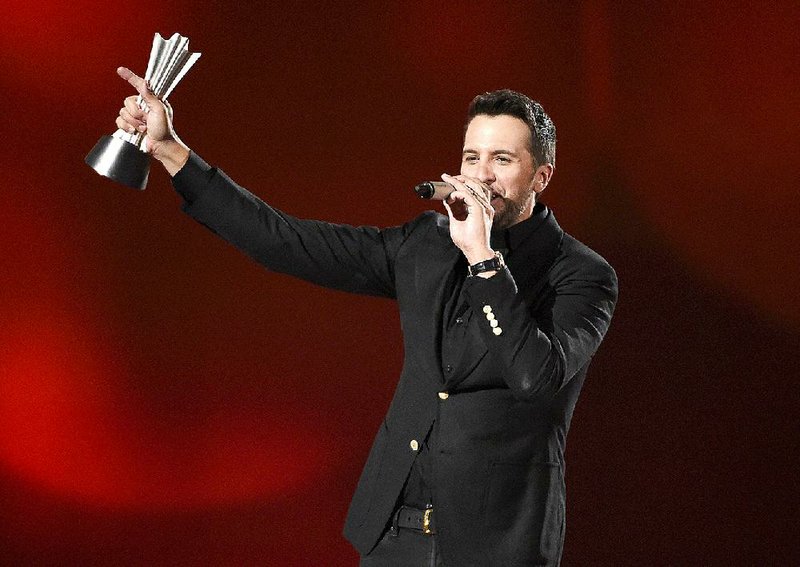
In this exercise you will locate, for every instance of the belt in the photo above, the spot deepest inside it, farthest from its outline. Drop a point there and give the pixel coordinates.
(414, 519)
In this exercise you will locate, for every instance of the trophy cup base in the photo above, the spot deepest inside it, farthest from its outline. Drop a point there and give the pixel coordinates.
(120, 161)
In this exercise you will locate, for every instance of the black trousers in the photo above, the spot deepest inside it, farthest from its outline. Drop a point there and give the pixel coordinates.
(409, 548)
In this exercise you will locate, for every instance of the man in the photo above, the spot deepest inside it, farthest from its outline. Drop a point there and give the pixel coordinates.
(501, 312)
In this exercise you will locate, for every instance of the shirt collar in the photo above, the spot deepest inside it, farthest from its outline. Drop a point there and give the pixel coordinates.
(511, 238)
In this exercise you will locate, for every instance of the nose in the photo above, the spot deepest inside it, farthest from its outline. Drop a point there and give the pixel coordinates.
(485, 172)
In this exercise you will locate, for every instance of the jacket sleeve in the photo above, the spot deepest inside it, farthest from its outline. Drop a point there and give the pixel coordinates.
(541, 349)
(354, 259)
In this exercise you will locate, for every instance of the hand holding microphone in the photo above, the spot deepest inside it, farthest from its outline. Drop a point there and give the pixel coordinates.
(441, 190)
(471, 213)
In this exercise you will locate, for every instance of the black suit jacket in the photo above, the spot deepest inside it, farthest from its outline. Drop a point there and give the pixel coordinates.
(499, 492)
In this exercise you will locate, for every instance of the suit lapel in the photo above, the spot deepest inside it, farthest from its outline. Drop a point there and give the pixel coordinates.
(469, 357)
(441, 262)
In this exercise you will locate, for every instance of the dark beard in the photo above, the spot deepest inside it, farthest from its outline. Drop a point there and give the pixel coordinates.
(509, 216)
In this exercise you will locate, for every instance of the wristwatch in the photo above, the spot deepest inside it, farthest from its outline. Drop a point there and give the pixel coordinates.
(491, 265)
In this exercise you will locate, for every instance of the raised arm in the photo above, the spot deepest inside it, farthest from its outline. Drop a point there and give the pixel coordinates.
(355, 259)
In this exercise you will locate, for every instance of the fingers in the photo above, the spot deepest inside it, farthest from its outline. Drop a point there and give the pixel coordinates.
(457, 210)
(132, 109)
(125, 126)
(126, 121)
(132, 106)
(139, 84)
(480, 194)
(131, 118)
(449, 210)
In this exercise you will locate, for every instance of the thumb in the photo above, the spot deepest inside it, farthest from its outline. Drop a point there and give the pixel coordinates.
(139, 84)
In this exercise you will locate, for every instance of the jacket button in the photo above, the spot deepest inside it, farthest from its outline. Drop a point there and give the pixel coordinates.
(414, 445)
(490, 316)
(459, 321)
(494, 323)
(497, 330)
(448, 368)
(443, 395)
(487, 308)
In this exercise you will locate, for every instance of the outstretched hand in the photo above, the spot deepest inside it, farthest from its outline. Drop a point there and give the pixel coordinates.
(154, 120)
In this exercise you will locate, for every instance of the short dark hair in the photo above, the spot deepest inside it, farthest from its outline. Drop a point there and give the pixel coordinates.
(512, 103)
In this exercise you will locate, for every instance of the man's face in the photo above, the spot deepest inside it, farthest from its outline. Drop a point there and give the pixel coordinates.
(497, 152)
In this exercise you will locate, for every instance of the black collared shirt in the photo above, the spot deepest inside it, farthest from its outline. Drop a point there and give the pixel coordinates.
(457, 337)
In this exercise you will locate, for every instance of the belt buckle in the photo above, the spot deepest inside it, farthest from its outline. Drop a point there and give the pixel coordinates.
(426, 521)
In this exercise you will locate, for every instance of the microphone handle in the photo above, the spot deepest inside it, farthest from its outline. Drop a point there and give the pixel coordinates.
(434, 190)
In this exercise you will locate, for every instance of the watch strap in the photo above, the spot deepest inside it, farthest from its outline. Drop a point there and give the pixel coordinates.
(490, 265)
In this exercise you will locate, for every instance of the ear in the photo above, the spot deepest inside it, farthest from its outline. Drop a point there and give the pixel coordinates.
(541, 177)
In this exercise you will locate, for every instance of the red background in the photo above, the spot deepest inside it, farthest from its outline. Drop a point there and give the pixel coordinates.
(164, 401)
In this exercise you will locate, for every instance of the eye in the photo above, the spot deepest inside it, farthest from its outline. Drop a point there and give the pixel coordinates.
(503, 159)
(470, 158)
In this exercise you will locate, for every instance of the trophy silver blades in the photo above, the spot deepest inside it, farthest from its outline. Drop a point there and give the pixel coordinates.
(122, 156)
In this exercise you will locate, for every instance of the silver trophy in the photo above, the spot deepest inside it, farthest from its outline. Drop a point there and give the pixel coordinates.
(122, 156)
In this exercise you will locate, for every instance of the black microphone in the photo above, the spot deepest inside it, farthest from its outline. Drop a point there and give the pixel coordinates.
(434, 190)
